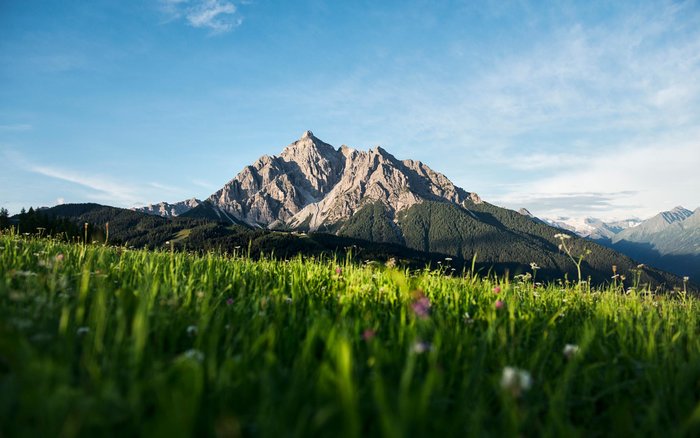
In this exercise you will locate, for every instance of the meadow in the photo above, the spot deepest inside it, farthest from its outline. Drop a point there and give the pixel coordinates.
(108, 341)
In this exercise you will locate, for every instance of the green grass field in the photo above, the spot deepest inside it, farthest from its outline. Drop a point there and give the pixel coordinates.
(99, 341)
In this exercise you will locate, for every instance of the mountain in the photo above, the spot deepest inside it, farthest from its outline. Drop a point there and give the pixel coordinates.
(166, 209)
(646, 231)
(314, 186)
(372, 196)
(670, 240)
(592, 228)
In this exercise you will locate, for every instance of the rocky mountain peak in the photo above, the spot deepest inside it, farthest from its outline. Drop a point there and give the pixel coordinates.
(312, 184)
(308, 147)
(676, 214)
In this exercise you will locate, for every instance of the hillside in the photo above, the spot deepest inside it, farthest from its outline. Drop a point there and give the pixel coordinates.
(498, 237)
(138, 230)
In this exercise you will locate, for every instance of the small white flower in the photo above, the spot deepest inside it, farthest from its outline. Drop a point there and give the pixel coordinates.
(82, 331)
(467, 318)
(288, 300)
(194, 355)
(534, 266)
(515, 380)
(686, 278)
(570, 350)
(562, 236)
(421, 347)
(192, 330)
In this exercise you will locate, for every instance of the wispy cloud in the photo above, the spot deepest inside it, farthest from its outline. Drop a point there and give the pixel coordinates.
(103, 185)
(639, 177)
(219, 16)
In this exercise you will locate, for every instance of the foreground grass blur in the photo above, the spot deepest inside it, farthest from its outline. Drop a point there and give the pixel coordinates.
(99, 341)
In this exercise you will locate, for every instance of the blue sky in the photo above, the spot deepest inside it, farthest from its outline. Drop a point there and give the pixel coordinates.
(574, 108)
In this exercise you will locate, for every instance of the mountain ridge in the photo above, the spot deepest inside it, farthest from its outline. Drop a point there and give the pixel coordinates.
(311, 184)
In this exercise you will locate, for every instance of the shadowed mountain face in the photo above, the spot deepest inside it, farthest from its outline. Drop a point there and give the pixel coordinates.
(373, 196)
(670, 240)
(658, 226)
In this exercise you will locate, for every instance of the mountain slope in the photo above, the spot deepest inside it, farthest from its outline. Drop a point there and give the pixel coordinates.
(646, 231)
(669, 240)
(275, 188)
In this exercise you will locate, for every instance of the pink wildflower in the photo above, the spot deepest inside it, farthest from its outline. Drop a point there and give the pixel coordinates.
(339, 271)
(229, 301)
(499, 304)
(368, 334)
(421, 306)
(497, 290)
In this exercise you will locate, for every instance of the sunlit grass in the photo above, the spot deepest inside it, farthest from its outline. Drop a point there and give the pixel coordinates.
(98, 341)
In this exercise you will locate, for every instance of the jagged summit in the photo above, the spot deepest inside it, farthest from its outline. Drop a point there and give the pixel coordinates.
(676, 214)
(654, 225)
(312, 184)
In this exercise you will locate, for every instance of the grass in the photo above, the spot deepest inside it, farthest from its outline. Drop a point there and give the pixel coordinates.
(100, 341)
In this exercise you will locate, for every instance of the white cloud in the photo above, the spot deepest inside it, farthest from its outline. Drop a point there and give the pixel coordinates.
(103, 185)
(219, 16)
(633, 179)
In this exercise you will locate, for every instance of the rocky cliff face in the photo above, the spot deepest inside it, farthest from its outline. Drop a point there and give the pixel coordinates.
(377, 176)
(275, 188)
(311, 184)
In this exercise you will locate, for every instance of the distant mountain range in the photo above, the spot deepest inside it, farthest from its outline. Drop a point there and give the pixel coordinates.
(166, 209)
(592, 228)
(669, 240)
(313, 187)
